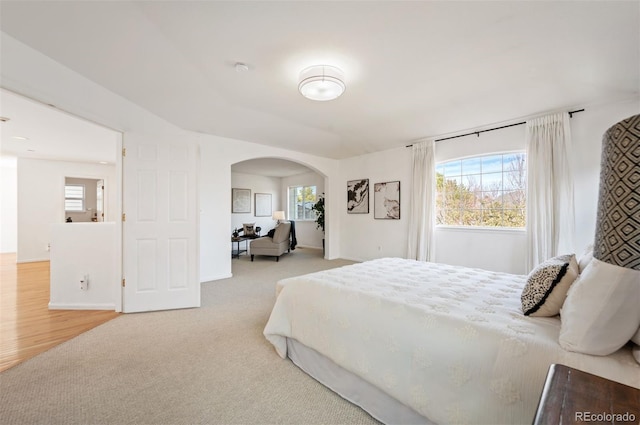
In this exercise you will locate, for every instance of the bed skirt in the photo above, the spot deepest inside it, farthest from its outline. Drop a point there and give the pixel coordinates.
(351, 387)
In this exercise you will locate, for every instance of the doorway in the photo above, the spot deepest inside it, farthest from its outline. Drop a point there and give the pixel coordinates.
(84, 200)
(50, 145)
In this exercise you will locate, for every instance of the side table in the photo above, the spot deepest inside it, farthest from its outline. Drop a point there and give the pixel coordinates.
(235, 252)
(572, 396)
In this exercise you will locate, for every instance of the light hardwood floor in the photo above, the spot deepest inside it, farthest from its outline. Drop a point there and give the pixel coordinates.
(27, 326)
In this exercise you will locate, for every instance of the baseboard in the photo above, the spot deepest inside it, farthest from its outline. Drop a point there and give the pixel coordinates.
(357, 260)
(308, 246)
(61, 306)
(32, 260)
(216, 277)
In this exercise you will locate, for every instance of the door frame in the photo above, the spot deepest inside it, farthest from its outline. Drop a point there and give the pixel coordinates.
(118, 292)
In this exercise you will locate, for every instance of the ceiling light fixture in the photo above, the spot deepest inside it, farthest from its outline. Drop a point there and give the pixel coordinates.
(19, 137)
(321, 82)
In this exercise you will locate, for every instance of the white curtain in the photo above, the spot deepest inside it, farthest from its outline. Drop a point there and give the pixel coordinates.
(421, 213)
(550, 204)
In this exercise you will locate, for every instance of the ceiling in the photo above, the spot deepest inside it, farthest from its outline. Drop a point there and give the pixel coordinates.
(35, 130)
(412, 69)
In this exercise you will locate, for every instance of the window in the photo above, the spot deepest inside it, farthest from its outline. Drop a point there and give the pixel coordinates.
(487, 191)
(74, 197)
(301, 200)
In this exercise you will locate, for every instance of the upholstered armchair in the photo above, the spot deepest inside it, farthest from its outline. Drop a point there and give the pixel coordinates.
(273, 246)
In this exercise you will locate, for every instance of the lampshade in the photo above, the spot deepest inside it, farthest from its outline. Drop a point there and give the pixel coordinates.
(321, 82)
(278, 215)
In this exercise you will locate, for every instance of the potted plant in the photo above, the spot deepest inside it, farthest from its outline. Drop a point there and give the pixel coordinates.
(318, 207)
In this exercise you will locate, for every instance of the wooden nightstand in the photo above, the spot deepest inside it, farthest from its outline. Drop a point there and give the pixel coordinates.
(571, 396)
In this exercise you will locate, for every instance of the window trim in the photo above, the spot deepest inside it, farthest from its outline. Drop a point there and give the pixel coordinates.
(481, 229)
(289, 202)
(75, 198)
(462, 227)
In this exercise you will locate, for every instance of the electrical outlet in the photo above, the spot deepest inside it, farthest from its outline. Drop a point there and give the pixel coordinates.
(84, 282)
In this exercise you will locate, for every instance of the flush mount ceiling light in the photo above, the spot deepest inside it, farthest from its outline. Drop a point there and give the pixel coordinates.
(321, 82)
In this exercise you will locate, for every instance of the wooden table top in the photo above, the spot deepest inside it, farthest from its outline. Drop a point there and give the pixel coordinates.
(573, 396)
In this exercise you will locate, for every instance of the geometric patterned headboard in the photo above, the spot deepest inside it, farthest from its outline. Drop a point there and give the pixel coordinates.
(617, 238)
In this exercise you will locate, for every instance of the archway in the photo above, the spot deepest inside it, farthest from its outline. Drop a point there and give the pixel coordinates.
(279, 178)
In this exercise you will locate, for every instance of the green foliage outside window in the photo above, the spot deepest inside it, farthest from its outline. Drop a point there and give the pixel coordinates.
(301, 202)
(487, 191)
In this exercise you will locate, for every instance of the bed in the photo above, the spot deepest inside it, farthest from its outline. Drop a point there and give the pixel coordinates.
(416, 342)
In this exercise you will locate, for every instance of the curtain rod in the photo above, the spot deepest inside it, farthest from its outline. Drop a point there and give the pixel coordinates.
(477, 133)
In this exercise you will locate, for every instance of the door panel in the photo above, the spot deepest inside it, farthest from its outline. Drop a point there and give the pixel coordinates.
(160, 252)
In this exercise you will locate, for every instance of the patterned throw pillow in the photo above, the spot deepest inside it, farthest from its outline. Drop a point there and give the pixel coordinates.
(547, 286)
(249, 229)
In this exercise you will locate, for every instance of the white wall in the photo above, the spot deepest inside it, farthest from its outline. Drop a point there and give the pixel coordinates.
(257, 184)
(83, 250)
(307, 233)
(8, 204)
(361, 236)
(41, 200)
(505, 250)
(219, 154)
(499, 250)
(587, 129)
(28, 72)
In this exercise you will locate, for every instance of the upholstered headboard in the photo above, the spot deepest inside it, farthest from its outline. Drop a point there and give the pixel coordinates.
(602, 310)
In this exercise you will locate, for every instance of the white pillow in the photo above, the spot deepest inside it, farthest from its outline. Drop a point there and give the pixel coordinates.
(585, 258)
(601, 311)
(547, 286)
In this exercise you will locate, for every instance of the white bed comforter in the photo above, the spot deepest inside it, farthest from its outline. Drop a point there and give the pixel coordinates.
(450, 342)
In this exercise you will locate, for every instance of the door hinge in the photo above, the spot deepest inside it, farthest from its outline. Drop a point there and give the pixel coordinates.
(124, 217)
(124, 151)
(124, 282)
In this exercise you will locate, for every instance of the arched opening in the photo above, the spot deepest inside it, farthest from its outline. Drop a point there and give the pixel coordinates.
(289, 186)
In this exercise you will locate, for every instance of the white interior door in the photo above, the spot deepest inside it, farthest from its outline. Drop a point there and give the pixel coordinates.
(160, 227)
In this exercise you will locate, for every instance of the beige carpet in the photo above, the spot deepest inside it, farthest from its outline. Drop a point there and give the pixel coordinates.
(210, 365)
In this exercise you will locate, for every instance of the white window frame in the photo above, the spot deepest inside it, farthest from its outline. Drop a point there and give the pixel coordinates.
(461, 177)
(74, 197)
(292, 212)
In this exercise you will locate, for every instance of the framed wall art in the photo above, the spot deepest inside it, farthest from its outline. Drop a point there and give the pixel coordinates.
(262, 205)
(240, 200)
(386, 200)
(358, 196)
